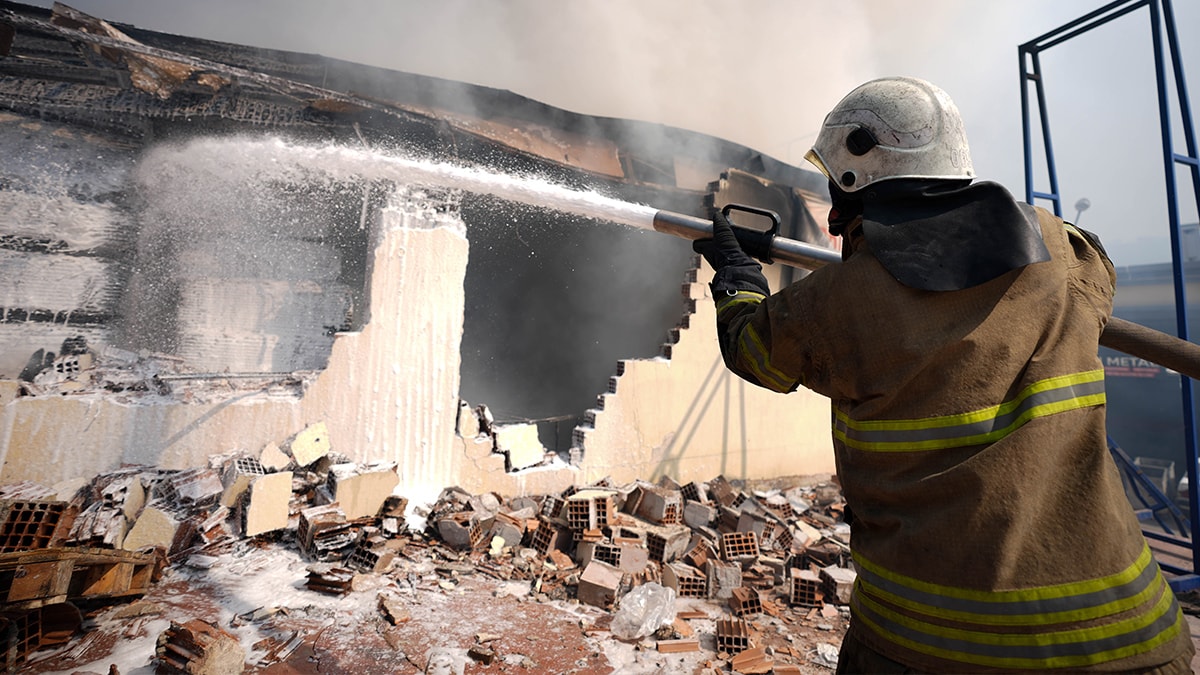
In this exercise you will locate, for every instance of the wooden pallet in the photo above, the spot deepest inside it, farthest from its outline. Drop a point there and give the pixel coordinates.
(30, 579)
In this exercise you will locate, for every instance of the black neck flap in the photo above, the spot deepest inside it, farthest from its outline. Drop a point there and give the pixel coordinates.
(950, 236)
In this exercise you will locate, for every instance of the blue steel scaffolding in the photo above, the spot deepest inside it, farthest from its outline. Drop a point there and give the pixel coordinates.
(1162, 24)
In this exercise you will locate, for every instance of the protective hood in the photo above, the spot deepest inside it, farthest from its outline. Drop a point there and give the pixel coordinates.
(947, 238)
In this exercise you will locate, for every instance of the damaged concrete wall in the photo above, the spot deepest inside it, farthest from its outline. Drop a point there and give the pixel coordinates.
(687, 417)
(364, 335)
(389, 391)
(64, 246)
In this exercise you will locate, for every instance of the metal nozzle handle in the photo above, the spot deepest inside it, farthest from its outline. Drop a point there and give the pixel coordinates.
(783, 250)
(1124, 336)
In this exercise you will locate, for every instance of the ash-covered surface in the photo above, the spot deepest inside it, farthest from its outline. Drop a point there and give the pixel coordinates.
(465, 584)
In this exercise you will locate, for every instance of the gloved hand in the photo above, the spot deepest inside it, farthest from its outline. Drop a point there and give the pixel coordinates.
(723, 250)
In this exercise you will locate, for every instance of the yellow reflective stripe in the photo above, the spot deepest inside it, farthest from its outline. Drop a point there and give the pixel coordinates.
(732, 304)
(751, 350)
(753, 353)
(1076, 601)
(1042, 398)
(977, 415)
(1060, 649)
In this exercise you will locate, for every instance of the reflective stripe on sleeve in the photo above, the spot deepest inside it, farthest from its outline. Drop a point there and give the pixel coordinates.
(1042, 398)
(730, 305)
(751, 351)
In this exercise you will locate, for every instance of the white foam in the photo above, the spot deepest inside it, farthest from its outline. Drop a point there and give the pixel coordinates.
(236, 160)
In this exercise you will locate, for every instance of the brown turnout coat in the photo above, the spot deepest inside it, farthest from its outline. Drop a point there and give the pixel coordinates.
(990, 528)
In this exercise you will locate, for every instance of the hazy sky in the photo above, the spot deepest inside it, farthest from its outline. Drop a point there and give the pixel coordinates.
(764, 72)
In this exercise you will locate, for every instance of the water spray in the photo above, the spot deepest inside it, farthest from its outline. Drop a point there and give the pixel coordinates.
(225, 158)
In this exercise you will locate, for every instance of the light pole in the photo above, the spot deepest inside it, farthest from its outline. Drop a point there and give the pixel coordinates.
(1081, 206)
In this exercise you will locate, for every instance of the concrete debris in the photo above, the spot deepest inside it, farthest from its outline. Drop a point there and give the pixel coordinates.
(592, 545)
(273, 459)
(309, 445)
(361, 491)
(331, 579)
(520, 444)
(752, 661)
(598, 584)
(192, 487)
(445, 662)
(265, 505)
(838, 583)
(372, 556)
(826, 655)
(199, 648)
(275, 648)
(392, 607)
(745, 602)
(678, 646)
(481, 654)
(26, 525)
(324, 533)
(237, 478)
(807, 589)
(154, 528)
(733, 635)
(126, 492)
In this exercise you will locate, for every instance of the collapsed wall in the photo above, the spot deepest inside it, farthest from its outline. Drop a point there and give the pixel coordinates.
(153, 315)
(686, 416)
(64, 247)
(390, 392)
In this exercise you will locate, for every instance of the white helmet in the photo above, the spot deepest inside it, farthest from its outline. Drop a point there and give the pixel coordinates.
(894, 127)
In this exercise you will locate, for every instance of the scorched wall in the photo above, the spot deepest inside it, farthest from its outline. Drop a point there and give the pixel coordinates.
(216, 320)
(390, 393)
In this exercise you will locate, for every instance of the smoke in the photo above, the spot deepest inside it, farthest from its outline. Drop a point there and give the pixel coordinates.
(760, 73)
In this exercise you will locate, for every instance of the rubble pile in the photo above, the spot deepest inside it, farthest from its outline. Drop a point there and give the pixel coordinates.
(763, 560)
(759, 555)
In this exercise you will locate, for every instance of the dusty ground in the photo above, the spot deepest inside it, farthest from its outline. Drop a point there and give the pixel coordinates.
(440, 604)
(258, 594)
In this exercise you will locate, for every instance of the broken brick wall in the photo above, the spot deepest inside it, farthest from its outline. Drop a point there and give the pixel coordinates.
(215, 301)
(387, 392)
(65, 244)
(689, 417)
(390, 393)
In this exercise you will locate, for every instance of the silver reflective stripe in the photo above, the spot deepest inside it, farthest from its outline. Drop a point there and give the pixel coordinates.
(1088, 604)
(1072, 624)
(1064, 648)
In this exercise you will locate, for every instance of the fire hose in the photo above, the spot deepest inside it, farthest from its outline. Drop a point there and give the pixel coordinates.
(1124, 336)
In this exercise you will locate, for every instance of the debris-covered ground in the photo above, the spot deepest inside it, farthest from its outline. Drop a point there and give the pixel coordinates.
(301, 562)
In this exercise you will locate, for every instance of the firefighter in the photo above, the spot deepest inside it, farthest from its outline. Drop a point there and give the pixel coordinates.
(957, 343)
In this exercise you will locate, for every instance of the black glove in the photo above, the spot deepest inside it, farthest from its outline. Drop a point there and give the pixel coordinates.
(723, 250)
(734, 269)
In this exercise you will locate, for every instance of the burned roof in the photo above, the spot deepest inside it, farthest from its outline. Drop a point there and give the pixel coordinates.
(63, 65)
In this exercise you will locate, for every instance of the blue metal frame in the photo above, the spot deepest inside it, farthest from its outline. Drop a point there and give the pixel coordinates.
(1154, 504)
(1162, 21)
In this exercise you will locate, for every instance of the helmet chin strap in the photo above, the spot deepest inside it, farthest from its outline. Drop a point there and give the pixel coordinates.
(843, 210)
